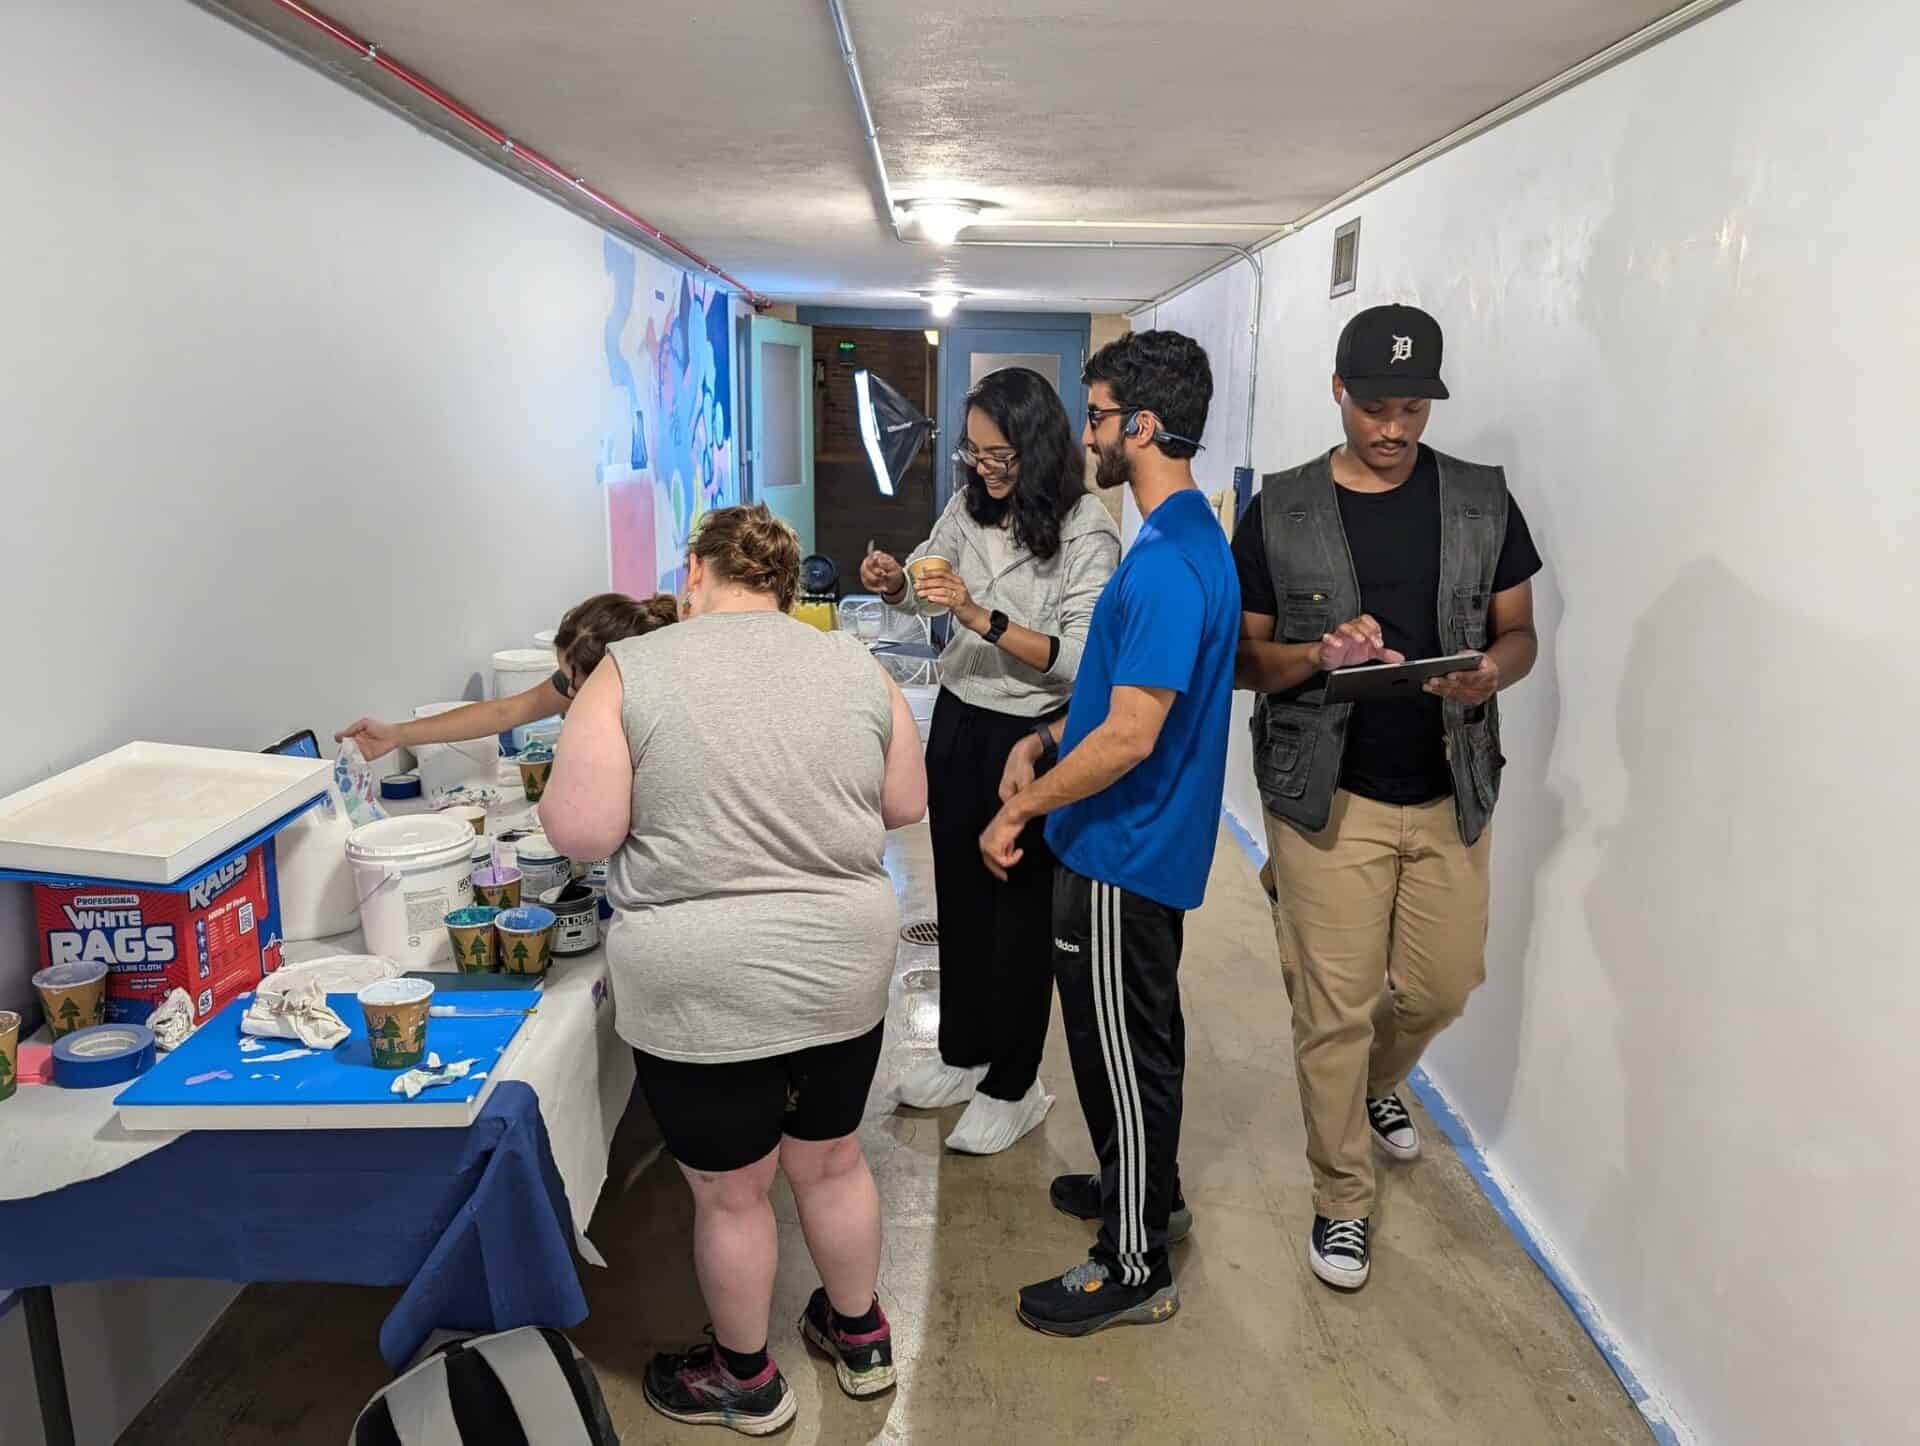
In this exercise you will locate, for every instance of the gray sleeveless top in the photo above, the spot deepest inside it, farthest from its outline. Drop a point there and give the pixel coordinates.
(753, 914)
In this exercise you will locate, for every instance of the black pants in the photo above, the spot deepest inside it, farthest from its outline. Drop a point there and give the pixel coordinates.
(1117, 959)
(996, 951)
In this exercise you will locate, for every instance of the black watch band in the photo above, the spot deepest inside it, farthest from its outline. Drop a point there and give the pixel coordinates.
(1049, 746)
(997, 625)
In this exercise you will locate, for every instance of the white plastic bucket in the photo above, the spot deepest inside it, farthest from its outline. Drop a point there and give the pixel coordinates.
(445, 767)
(514, 671)
(317, 898)
(542, 866)
(517, 669)
(545, 638)
(409, 874)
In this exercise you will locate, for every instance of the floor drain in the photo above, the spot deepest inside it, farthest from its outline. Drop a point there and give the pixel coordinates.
(922, 933)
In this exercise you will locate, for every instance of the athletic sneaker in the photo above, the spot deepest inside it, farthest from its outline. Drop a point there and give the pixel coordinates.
(1090, 1298)
(1393, 1129)
(1338, 1252)
(863, 1362)
(696, 1387)
(1079, 1196)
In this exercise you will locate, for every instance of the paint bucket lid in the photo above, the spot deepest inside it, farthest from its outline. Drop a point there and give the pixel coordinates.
(534, 848)
(524, 660)
(417, 836)
(400, 785)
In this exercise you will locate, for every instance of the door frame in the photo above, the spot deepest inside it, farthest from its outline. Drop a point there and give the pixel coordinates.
(972, 331)
(767, 329)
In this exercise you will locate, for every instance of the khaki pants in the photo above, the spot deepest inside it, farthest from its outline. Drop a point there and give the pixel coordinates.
(1382, 923)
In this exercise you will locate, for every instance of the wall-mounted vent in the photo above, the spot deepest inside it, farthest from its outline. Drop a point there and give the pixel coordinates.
(1346, 258)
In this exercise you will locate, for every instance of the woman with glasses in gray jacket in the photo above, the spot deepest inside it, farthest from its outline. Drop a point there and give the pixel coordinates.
(1029, 552)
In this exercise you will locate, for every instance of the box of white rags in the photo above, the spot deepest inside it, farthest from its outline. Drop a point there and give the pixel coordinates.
(215, 933)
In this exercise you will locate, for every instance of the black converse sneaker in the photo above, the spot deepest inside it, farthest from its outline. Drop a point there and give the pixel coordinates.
(1090, 1297)
(1079, 1196)
(1338, 1252)
(1393, 1129)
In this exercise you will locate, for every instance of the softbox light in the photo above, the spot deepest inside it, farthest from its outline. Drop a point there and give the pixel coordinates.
(891, 427)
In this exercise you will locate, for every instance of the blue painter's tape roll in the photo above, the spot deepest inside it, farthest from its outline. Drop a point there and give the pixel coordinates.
(103, 1054)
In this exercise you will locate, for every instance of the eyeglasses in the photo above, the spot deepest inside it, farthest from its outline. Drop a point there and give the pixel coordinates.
(1000, 458)
(1097, 415)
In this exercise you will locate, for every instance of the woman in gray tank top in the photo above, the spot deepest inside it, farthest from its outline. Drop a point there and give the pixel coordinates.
(742, 775)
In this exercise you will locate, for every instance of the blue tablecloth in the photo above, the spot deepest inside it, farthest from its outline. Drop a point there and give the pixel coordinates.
(473, 1222)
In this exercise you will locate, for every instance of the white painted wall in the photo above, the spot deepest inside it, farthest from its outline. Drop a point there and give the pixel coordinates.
(1681, 304)
(299, 412)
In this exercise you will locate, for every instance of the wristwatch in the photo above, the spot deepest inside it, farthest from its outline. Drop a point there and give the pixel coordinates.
(1049, 746)
(997, 625)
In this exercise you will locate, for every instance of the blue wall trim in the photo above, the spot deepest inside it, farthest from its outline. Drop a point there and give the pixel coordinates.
(1461, 1138)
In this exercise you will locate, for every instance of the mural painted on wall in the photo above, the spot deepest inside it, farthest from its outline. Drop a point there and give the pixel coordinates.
(667, 451)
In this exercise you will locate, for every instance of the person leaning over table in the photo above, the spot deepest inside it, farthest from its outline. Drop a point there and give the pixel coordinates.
(753, 941)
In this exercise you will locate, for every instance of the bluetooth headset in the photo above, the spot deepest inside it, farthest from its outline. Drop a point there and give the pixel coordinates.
(1132, 429)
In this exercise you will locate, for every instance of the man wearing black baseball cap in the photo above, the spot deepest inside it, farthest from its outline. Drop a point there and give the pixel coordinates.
(1382, 550)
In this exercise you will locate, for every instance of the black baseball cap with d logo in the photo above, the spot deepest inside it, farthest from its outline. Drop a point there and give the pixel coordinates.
(1390, 351)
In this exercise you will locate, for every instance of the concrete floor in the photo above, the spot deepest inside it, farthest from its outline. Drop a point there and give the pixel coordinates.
(1457, 1339)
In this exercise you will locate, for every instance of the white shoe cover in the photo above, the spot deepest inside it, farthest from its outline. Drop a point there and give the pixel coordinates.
(990, 1125)
(937, 1084)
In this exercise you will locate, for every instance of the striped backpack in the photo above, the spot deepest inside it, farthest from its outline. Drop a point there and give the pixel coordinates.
(525, 1387)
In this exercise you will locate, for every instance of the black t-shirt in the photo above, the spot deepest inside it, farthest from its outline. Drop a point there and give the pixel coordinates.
(1396, 752)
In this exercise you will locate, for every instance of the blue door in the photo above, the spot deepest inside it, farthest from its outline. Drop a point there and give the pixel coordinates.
(969, 352)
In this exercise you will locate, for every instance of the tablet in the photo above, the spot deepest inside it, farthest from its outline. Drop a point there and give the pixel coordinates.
(1387, 682)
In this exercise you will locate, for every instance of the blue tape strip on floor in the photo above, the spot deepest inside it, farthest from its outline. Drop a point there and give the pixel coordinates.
(1461, 1138)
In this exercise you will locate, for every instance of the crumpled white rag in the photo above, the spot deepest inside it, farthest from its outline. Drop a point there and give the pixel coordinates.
(433, 1073)
(298, 1013)
(172, 1021)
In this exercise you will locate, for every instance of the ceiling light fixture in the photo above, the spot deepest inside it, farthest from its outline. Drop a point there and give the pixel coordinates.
(941, 219)
(941, 303)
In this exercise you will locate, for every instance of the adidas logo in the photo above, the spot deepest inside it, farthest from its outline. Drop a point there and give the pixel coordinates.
(1065, 948)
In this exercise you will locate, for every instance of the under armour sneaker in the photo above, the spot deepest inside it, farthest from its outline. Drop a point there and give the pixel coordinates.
(863, 1361)
(1079, 1196)
(697, 1388)
(1090, 1297)
(1338, 1252)
(1393, 1129)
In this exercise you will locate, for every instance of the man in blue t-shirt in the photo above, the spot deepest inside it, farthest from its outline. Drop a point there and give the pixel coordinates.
(1135, 804)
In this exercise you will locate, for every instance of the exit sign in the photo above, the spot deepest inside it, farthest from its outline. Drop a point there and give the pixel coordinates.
(845, 347)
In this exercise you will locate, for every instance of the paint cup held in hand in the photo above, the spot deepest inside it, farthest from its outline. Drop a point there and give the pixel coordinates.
(74, 996)
(524, 938)
(396, 1011)
(470, 814)
(496, 888)
(471, 931)
(535, 770)
(924, 569)
(9, 1052)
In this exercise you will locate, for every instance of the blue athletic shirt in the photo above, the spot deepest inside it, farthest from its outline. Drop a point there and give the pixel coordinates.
(1169, 618)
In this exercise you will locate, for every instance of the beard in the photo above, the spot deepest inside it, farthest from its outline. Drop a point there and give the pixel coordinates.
(1111, 469)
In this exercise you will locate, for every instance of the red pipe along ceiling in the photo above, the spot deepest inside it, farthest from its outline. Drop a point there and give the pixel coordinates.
(414, 81)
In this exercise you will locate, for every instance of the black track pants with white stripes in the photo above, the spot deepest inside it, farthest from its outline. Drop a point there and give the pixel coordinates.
(1116, 959)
